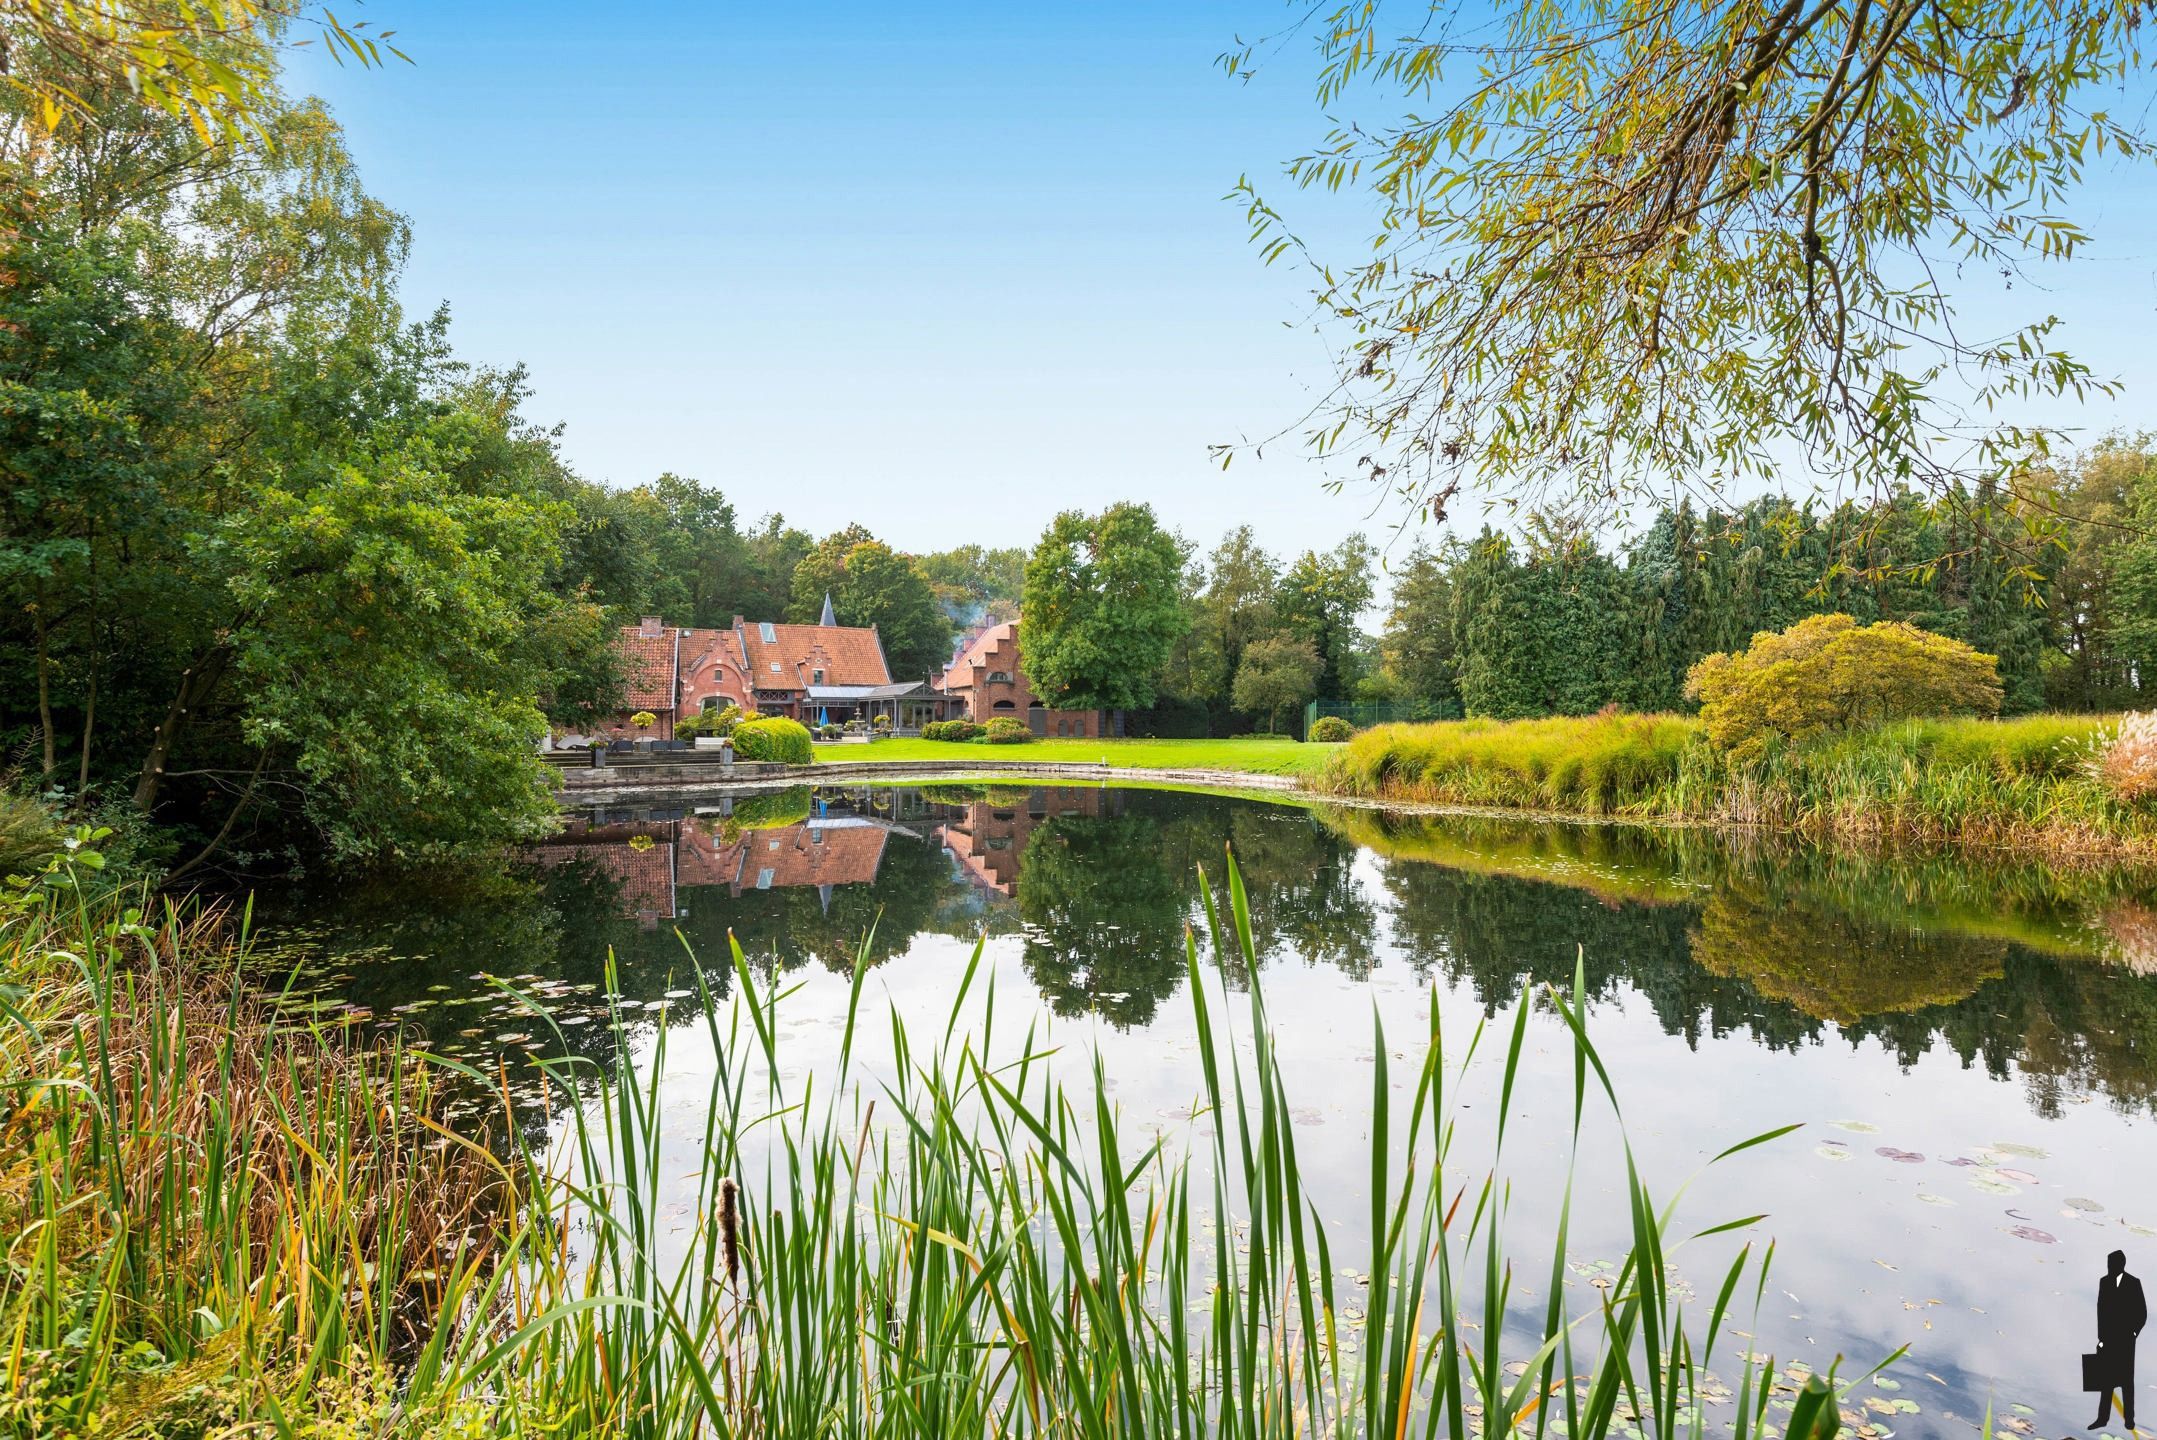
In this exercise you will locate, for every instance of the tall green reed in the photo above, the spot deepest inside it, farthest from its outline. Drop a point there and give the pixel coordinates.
(954, 1240)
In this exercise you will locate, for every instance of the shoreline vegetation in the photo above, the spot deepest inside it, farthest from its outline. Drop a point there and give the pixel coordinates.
(2024, 785)
(235, 1219)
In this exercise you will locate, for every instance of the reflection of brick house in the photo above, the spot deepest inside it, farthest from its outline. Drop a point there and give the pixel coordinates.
(839, 850)
(985, 677)
(654, 861)
(638, 857)
(988, 839)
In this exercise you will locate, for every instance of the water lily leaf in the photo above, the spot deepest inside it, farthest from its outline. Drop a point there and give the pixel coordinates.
(2032, 1233)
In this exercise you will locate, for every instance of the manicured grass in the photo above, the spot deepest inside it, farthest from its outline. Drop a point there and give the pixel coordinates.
(1247, 754)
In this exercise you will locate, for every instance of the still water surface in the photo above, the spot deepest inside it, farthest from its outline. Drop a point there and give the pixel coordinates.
(1971, 1051)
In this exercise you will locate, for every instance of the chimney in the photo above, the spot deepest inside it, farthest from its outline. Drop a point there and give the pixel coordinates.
(651, 625)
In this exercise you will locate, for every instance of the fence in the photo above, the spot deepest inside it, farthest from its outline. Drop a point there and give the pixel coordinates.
(1365, 713)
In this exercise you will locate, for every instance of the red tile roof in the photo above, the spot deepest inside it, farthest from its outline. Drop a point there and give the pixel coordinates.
(648, 661)
(847, 654)
(958, 674)
(807, 853)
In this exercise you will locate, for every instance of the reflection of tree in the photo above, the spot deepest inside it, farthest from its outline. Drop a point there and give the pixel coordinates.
(1836, 965)
(1305, 900)
(1997, 963)
(1104, 908)
(1496, 934)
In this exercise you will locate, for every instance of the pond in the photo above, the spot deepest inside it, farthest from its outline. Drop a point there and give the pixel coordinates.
(1970, 1050)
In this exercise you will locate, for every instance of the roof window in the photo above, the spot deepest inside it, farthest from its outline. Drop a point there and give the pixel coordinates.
(770, 635)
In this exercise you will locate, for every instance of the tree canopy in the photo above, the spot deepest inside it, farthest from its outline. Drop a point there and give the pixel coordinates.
(871, 584)
(1102, 608)
(1625, 244)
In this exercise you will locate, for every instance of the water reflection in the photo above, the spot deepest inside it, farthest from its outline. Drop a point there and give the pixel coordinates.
(2013, 969)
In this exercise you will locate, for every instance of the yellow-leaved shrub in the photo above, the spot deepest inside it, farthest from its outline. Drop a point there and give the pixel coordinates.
(1828, 673)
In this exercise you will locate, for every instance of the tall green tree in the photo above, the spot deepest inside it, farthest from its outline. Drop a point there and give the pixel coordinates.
(1235, 610)
(871, 584)
(1101, 608)
(1420, 651)
(1276, 677)
(1321, 598)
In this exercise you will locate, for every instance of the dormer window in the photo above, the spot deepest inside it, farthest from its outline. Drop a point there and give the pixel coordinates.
(816, 677)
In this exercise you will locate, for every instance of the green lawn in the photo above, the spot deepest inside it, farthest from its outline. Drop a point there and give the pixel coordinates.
(1249, 754)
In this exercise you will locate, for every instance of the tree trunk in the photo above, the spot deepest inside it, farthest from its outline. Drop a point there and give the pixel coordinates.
(89, 723)
(44, 690)
(196, 684)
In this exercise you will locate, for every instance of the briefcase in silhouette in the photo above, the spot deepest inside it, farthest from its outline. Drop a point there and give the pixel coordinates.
(2097, 1371)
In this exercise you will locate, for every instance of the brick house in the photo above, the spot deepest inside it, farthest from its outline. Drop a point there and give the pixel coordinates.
(986, 680)
(811, 673)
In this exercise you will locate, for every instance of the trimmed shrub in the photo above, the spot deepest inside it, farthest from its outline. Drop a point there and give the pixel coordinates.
(1330, 730)
(952, 730)
(773, 737)
(829, 731)
(1004, 730)
(1828, 673)
(880, 722)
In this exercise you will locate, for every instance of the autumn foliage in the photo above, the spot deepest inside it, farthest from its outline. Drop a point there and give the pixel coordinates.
(1828, 673)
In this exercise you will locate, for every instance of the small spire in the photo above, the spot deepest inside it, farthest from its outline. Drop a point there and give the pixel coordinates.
(828, 617)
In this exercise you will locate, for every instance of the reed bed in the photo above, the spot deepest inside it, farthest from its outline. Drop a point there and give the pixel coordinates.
(227, 1225)
(2027, 784)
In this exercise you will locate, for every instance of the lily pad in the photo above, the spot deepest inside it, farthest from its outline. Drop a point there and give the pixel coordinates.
(2032, 1233)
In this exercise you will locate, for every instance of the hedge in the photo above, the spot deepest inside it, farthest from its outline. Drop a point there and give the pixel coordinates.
(773, 737)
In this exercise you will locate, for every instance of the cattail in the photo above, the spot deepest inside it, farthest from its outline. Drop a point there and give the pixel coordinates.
(730, 1228)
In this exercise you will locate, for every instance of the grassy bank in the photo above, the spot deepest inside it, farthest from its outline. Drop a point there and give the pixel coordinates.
(1246, 754)
(230, 1225)
(2017, 784)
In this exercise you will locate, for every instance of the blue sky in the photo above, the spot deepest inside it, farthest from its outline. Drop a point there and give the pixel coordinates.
(943, 269)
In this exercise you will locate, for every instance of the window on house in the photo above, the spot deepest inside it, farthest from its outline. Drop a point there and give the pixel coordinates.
(763, 879)
(816, 677)
(1003, 705)
(771, 636)
(713, 702)
(999, 677)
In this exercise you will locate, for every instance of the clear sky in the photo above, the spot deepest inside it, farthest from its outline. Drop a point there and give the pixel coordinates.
(943, 269)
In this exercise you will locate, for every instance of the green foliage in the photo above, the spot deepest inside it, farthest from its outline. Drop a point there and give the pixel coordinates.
(1102, 609)
(1620, 244)
(1278, 675)
(709, 723)
(1330, 730)
(1420, 648)
(1319, 600)
(951, 730)
(1542, 633)
(1828, 673)
(1006, 730)
(773, 737)
(271, 559)
(871, 584)
(29, 835)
